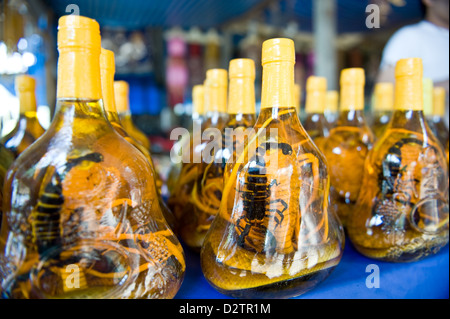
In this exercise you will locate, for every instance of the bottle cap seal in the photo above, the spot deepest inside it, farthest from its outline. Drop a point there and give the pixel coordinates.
(121, 92)
(278, 50)
(242, 68)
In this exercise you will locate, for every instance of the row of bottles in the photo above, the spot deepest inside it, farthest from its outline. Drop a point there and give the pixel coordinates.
(82, 216)
(268, 212)
(263, 198)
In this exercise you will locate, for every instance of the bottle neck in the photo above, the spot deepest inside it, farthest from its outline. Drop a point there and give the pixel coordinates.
(352, 117)
(241, 96)
(109, 103)
(410, 120)
(79, 107)
(80, 118)
(278, 86)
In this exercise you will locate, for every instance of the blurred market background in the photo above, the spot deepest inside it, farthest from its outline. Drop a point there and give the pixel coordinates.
(163, 48)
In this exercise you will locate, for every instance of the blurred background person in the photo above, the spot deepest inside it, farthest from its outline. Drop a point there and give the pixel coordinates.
(428, 39)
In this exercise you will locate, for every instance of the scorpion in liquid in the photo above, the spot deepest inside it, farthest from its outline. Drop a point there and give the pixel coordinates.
(251, 227)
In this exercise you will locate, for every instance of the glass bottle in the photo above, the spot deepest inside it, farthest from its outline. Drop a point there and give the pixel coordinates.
(107, 71)
(315, 122)
(278, 237)
(28, 128)
(6, 159)
(207, 190)
(332, 107)
(121, 93)
(187, 140)
(436, 120)
(198, 210)
(81, 216)
(383, 107)
(402, 215)
(347, 145)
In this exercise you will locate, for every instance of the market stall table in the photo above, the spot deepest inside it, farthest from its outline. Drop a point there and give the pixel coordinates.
(425, 279)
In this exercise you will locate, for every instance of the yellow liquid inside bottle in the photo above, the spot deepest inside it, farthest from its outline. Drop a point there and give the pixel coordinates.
(402, 215)
(348, 144)
(28, 128)
(81, 204)
(6, 159)
(383, 108)
(276, 237)
(315, 122)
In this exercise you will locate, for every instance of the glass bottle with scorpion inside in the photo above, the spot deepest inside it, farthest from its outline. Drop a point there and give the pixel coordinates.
(185, 202)
(81, 217)
(402, 215)
(348, 144)
(274, 235)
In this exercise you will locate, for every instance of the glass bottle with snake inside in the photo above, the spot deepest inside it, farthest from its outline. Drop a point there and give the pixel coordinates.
(402, 215)
(274, 235)
(107, 71)
(207, 191)
(192, 213)
(81, 214)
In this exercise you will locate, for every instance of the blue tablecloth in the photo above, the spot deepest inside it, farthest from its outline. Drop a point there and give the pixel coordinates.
(425, 279)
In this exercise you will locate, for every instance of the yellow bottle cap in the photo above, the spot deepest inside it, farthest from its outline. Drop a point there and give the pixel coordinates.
(107, 68)
(439, 101)
(25, 90)
(216, 90)
(198, 98)
(242, 68)
(25, 83)
(217, 77)
(107, 60)
(278, 50)
(121, 92)
(242, 90)
(352, 89)
(332, 101)
(79, 44)
(78, 31)
(316, 88)
(384, 96)
(409, 84)
(353, 76)
(278, 59)
(428, 87)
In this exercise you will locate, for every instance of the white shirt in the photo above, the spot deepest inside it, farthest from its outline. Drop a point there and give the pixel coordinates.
(422, 40)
